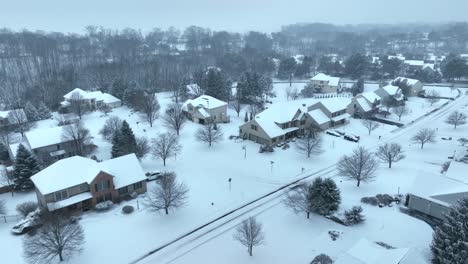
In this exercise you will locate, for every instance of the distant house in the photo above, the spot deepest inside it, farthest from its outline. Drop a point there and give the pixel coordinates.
(364, 104)
(411, 66)
(415, 86)
(78, 183)
(433, 196)
(366, 252)
(12, 117)
(48, 145)
(325, 84)
(206, 109)
(284, 121)
(390, 91)
(93, 99)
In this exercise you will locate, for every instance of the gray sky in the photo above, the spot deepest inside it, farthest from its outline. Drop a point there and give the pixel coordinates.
(232, 15)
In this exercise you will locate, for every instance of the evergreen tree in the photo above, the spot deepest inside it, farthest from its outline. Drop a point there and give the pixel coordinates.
(31, 112)
(25, 166)
(356, 66)
(324, 196)
(4, 155)
(450, 239)
(44, 111)
(216, 84)
(246, 118)
(358, 87)
(251, 115)
(286, 68)
(124, 141)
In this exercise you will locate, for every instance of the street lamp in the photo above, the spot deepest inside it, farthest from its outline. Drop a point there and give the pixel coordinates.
(229, 180)
(271, 163)
(244, 147)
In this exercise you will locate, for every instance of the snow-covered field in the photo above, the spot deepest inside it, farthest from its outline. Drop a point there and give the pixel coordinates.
(118, 238)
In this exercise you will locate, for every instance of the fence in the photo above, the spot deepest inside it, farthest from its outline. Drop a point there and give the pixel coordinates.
(10, 218)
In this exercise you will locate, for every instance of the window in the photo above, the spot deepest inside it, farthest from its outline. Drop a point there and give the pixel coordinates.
(102, 185)
(58, 146)
(254, 127)
(83, 188)
(61, 195)
(137, 185)
(123, 190)
(355, 106)
(303, 122)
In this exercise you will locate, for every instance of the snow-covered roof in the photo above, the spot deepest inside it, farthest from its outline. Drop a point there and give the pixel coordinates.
(69, 201)
(400, 57)
(76, 90)
(77, 170)
(108, 98)
(366, 252)
(318, 116)
(340, 117)
(335, 104)
(332, 81)
(408, 80)
(414, 62)
(205, 101)
(391, 89)
(38, 138)
(371, 96)
(97, 95)
(429, 65)
(458, 171)
(364, 104)
(203, 112)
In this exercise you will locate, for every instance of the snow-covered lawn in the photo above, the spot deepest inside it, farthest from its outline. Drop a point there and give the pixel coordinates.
(417, 107)
(444, 91)
(119, 238)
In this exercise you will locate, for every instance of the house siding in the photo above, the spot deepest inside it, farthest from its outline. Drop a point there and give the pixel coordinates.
(427, 207)
(103, 177)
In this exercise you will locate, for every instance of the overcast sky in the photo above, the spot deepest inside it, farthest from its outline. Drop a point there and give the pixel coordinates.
(238, 15)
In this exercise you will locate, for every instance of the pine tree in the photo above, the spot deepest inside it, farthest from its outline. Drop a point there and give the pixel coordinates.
(25, 166)
(44, 111)
(4, 155)
(124, 141)
(251, 115)
(354, 216)
(31, 112)
(216, 84)
(246, 118)
(450, 239)
(324, 196)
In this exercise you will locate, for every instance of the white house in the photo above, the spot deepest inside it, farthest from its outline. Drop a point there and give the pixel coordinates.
(325, 84)
(364, 104)
(390, 91)
(93, 98)
(205, 109)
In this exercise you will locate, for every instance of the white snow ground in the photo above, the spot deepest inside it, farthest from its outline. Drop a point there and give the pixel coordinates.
(118, 238)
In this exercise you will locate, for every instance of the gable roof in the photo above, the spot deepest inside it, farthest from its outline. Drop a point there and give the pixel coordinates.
(332, 81)
(414, 62)
(364, 104)
(38, 138)
(77, 170)
(366, 252)
(98, 95)
(205, 101)
(318, 116)
(371, 96)
(390, 89)
(335, 104)
(408, 80)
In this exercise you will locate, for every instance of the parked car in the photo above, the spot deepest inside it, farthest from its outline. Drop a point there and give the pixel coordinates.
(30, 222)
(351, 138)
(153, 175)
(333, 133)
(339, 132)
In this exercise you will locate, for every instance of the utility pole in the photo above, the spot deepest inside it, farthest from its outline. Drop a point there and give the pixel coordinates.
(229, 180)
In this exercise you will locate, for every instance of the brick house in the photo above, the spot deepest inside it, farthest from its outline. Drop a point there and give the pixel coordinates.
(78, 183)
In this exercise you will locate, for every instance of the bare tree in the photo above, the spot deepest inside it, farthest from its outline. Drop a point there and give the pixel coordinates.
(250, 234)
(105, 109)
(78, 104)
(299, 200)
(400, 111)
(167, 194)
(370, 124)
(142, 147)
(209, 134)
(424, 136)
(112, 124)
(18, 120)
(79, 136)
(291, 93)
(456, 119)
(388, 102)
(360, 166)
(150, 107)
(58, 237)
(174, 118)
(166, 145)
(236, 105)
(2, 207)
(390, 153)
(310, 143)
(432, 97)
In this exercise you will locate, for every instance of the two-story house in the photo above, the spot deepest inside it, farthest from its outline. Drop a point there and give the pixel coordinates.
(325, 84)
(391, 91)
(78, 183)
(206, 109)
(414, 87)
(364, 104)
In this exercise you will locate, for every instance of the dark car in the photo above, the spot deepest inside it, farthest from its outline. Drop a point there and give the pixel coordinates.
(351, 138)
(333, 133)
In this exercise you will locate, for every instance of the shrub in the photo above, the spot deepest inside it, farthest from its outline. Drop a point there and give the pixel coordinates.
(369, 200)
(25, 208)
(384, 199)
(354, 216)
(264, 148)
(322, 259)
(128, 209)
(103, 206)
(445, 167)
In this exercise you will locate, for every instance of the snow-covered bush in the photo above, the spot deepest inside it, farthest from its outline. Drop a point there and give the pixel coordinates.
(265, 148)
(354, 216)
(103, 206)
(322, 259)
(334, 234)
(128, 209)
(379, 199)
(369, 200)
(25, 208)
(445, 167)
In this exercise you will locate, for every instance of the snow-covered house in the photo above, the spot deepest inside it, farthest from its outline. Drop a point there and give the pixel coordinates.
(325, 84)
(93, 98)
(48, 145)
(366, 252)
(390, 91)
(364, 104)
(12, 117)
(79, 183)
(415, 86)
(433, 196)
(206, 109)
(284, 121)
